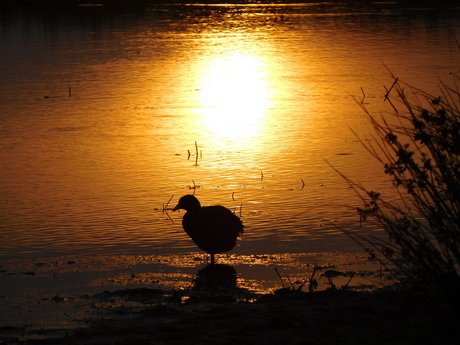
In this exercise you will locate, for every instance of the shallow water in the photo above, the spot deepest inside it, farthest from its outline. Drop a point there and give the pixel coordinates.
(47, 297)
(101, 109)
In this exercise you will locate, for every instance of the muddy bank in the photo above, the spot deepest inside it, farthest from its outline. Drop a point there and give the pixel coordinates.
(178, 300)
(150, 316)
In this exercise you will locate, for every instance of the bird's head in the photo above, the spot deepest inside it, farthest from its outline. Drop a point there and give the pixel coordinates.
(188, 203)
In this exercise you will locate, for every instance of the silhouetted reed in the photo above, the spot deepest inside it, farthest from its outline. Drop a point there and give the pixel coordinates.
(197, 154)
(419, 148)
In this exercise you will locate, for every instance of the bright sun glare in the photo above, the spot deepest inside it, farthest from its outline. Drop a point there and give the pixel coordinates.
(233, 96)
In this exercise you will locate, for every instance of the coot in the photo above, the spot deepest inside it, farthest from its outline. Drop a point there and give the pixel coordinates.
(214, 229)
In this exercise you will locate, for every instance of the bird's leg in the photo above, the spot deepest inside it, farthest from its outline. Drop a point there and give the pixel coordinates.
(212, 259)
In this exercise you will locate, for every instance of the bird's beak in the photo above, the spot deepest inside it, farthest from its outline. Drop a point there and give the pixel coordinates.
(176, 208)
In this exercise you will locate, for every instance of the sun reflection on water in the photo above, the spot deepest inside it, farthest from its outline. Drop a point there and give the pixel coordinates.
(233, 97)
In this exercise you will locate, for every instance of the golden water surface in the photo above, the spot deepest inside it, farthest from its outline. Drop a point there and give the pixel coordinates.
(103, 115)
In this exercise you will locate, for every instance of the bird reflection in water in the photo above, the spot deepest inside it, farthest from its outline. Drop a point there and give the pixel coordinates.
(216, 276)
(214, 229)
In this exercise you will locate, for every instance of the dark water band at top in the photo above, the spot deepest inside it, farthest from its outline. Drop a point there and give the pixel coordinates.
(136, 3)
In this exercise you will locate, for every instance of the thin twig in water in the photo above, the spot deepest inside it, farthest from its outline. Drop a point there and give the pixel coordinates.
(388, 91)
(233, 196)
(312, 283)
(261, 175)
(386, 98)
(165, 208)
(279, 275)
(394, 108)
(303, 184)
(196, 153)
(282, 282)
(289, 280)
(234, 210)
(364, 95)
(299, 288)
(194, 187)
(349, 280)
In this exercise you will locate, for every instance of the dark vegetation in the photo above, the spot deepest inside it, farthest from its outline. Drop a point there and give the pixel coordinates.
(418, 146)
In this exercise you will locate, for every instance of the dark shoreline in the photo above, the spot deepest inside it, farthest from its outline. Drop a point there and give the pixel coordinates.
(162, 300)
(327, 317)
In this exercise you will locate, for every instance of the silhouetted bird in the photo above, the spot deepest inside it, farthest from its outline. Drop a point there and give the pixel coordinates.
(214, 229)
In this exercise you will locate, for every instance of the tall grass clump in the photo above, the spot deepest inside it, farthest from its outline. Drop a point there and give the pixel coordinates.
(418, 145)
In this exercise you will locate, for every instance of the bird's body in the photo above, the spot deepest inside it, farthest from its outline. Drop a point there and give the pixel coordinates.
(214, 229)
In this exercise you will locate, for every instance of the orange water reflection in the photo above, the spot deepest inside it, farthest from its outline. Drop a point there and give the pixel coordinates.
(260, 89)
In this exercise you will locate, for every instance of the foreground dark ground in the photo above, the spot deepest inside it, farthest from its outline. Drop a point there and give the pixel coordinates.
(135, 316)
(140, 300)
